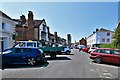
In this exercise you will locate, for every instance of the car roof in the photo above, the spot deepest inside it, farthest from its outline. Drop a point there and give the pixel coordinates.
(108, 49)
(26, 47)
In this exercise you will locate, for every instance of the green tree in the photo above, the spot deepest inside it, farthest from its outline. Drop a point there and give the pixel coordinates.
(117, 38)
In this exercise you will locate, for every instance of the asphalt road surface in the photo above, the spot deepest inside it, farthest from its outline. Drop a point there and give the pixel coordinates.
(75, 65)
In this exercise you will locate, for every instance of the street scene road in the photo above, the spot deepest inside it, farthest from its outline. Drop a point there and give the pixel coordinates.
(75, 65)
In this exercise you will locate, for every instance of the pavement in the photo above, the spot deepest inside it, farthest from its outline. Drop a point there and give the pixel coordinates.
(75, 65)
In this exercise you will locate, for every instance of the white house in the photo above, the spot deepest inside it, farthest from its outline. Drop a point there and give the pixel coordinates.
(43, 31)
(100, 36)
(7, 30)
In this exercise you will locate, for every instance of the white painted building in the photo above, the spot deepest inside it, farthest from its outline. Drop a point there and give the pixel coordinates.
(7, 30)
(101, 36)
(43, 31)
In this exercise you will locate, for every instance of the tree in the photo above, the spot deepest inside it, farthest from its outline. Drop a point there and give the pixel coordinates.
(117, 38)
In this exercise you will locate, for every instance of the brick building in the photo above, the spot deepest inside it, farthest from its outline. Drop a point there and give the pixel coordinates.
(31, 29)
(83, 42)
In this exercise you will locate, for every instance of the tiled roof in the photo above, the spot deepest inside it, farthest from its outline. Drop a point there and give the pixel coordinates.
(37, 22)
(101, 30)
(104, 30)
(4, 15)
(51, 34)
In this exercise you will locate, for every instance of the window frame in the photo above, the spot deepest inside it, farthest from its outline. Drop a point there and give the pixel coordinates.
(108, 33)
(108, 40)
(103, 39)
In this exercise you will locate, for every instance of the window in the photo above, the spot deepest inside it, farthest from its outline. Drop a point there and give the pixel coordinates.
(31, 44)
(44, 27)
(10, 51)
(108, 40)
(116, 52)
(25, 50)
(98, 51)
(108, 34)
(106, 51)
(3, 25)
(103, 40)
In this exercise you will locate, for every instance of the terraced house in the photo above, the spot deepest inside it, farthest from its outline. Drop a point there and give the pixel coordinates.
(7, 31)
(30, 29)
(100, 36)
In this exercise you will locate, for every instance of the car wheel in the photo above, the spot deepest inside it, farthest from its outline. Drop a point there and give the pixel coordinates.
(68, 52)
(31, 61)
(53, 55)
(98, 60)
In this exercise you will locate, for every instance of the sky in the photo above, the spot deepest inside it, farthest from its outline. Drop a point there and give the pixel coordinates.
(79, 19)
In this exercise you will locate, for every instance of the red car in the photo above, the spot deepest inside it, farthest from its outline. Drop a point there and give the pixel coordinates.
(86, 49)
(107, 55)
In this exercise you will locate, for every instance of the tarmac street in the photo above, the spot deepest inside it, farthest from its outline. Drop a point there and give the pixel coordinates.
(75, 65)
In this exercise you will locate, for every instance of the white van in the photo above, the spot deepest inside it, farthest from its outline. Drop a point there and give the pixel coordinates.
(31, 44)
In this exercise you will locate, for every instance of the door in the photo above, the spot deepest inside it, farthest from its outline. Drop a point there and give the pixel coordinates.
(7, 56)
(5, 43)
(12, 56)
(116, 57)
(106, 56)
(2, 45)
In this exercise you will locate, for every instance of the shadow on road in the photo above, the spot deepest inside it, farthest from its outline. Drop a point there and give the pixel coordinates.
(25, 66)
(57, 58)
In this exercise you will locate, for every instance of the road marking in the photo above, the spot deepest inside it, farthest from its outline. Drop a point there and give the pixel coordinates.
(106, 65)
(104, 70)
(90, 63)
(92, 70)
(107, 75)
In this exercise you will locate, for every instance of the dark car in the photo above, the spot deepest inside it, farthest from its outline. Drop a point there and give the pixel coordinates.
(107, 55)
(29, 56)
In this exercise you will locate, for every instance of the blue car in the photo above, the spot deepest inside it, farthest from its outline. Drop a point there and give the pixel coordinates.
(29, 56)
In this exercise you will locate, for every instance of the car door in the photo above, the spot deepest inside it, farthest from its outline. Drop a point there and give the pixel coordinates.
(8, 56)
(22, 54)
(116, 57)
(18, 57)
(106, 56)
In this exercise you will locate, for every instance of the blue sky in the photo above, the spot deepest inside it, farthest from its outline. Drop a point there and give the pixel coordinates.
(79, 19)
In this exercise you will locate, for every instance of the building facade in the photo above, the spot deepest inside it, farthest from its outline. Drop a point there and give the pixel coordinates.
(69, 39)
(7, 31)
(83, 42)
(100, 36)
(32, 29)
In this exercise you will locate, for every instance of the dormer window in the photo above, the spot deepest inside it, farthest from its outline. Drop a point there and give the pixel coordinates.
(43, 27)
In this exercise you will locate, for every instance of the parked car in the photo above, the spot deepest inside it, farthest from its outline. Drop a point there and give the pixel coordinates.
(91, 49)
(76, 47)
(86, 49)
(29, 56)
(80, 47)
(107, 55)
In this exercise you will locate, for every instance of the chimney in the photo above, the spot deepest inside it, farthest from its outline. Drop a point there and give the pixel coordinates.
(93, 32)
(23, 19)
(97, 29)
(30, 18)
(30, 15)
(56, 37)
